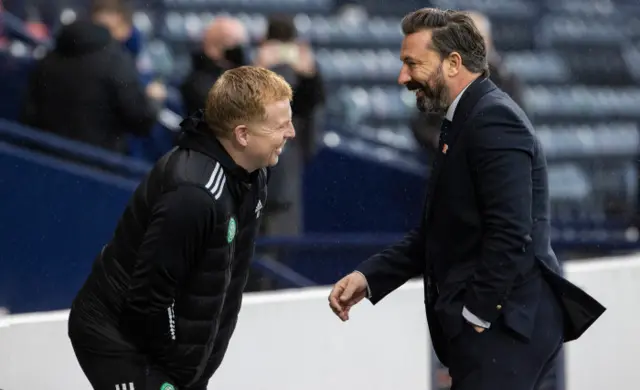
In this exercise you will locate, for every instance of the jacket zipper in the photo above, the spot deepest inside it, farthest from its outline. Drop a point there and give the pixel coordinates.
(172, 320)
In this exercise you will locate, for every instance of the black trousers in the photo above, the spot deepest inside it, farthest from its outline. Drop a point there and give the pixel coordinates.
(499, 359)
(108, 365)
(123, 372)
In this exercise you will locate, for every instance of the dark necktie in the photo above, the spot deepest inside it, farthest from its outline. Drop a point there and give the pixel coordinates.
(432, 289)
(437, 160)
(444, 129)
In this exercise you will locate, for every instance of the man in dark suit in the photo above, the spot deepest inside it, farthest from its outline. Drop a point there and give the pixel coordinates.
(498, 309)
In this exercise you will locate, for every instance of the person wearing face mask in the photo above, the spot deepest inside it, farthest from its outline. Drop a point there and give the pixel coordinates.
(88, 89)
(497, 306)
(222, 49)
(117, 17)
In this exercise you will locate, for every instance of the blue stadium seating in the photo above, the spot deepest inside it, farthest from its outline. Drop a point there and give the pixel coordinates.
(579, 61)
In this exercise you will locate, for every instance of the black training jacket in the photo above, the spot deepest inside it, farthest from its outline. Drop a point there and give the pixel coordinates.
(169, 283)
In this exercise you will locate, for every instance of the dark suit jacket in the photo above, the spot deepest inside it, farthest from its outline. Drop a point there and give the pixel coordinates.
(484, 239)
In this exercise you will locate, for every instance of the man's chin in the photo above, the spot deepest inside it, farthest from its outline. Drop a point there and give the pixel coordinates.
(421, 104)
(427, 108)
(424, 107)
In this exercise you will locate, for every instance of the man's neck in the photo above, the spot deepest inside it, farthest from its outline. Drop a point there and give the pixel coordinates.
(236, 156)
(464, 83)
(461, 84)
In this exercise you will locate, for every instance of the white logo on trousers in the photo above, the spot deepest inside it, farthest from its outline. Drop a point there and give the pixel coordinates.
(123, 386)
(258, 208)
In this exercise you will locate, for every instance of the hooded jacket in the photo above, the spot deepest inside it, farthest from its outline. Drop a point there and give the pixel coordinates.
(169, 284)
(88, 89)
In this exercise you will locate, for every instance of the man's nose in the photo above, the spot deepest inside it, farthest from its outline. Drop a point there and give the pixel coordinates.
(291, 133)
(403, 77)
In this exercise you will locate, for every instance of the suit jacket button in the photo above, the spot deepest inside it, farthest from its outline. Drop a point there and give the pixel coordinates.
(499, 307)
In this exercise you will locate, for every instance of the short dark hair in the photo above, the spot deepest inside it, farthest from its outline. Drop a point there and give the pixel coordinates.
(452, 31)
(281, 28)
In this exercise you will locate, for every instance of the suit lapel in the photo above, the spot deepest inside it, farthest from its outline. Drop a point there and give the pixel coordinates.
(474, 92)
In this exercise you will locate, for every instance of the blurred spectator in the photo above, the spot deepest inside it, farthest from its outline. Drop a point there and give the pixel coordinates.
(500, 75)
(426, 127)
(294, 60)
(88, 89)
(40, 16)
(117, 17)
(222, 49)
(3, 38)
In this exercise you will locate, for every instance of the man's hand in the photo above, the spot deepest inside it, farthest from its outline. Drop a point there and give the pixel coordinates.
(157, 91)
(347, 292)
(478, 329)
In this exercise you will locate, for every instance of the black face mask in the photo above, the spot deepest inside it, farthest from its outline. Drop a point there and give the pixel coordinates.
(235, 56)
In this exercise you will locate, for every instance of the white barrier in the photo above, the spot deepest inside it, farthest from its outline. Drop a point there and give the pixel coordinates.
(604, 358)
(290, 341)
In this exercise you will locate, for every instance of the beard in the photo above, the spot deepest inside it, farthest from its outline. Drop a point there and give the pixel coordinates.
(432, 100)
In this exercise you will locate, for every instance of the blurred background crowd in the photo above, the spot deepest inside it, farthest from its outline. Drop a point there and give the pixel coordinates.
(93, 91)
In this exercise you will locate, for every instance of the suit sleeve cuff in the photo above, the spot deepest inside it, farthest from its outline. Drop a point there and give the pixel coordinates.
(368, 288)
(474, 320)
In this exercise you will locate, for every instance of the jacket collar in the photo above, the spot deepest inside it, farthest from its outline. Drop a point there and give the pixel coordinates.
(452, 108)
(197, 136)
(465, 103)
(469, 97)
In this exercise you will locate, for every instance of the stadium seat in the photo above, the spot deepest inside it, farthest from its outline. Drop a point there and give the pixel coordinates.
(264, 6)
(582, 102)
(590, 140)
(358, 65)
(538, 67)
(556, 30)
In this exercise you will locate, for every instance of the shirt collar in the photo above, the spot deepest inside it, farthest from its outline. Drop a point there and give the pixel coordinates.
(452, 108)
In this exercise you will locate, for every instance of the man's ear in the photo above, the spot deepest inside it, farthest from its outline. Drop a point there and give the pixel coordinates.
(241, 134)
(454, 62)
